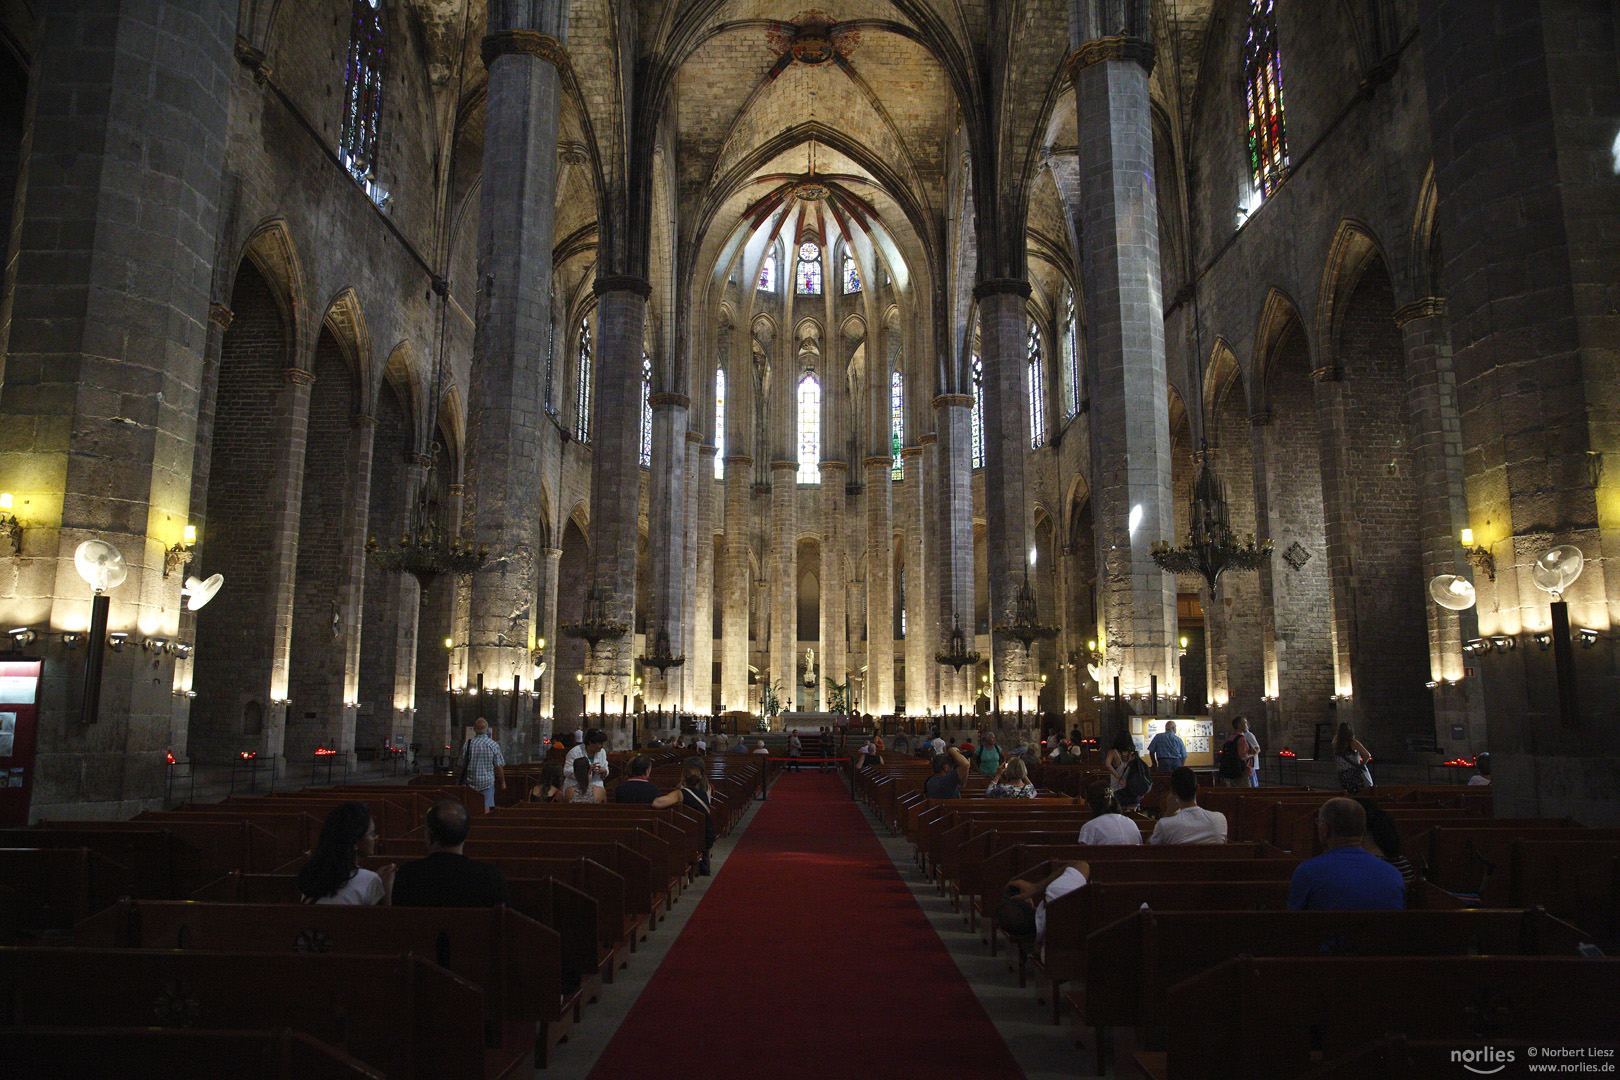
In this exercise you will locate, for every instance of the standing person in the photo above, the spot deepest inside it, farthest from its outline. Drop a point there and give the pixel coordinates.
(593, 749)
(1345, 877)
(1235, 762)
(1108, 824)
(1135, 781)
(447, 878)
(1352, 760)
(696, 795)
(988, 756)
(1184, 821)
(333, 874)
(795, 749)
(1167, 751)
(483, 766)
(1251, 755)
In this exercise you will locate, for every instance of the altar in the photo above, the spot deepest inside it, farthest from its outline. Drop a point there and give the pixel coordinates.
(807, 721)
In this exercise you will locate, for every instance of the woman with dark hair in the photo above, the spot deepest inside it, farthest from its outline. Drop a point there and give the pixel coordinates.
(549, 789)
(586, 789)
(695, 794)
(1352, 759)
(1383, 838)
(333, 874)
(1122, 745)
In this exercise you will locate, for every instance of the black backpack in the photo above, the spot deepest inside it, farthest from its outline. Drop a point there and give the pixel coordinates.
(1137, 780)
(1230, 764)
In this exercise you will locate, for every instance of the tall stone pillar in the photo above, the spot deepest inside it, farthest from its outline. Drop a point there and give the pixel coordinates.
(877, 693)
(1003, 331)
(666, 543)
(834, 587)
(928, 563)
(1130, 415)
(953, 423)
(106, 313)
(352, 590)
(1431, 406)
(1340, 527)
(505, 412)
(919, 663)
(621, 317)
(1537, 382)
(547, 631)
(700, 658)
(784, 580)
(737, 586)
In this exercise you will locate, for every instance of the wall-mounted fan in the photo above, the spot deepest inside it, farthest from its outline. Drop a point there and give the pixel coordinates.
(100, 564)
(1452, 592)
(198, 592)
(1557, 569)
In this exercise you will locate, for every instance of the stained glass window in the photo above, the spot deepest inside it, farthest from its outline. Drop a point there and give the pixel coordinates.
(1071, 357)
(808, 278)
(767, 275)
(582, 392)
(646, 411)
(1268, 141)
(978, 412)
(363, 89)
(897, 423)
(900, 591)
(720, 423)
(1037, 388)
(809, 429)
(852, 276)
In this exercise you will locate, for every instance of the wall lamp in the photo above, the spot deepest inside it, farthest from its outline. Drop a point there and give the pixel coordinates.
(179, 556)
(72, 638)
(155, 645)
(1543, 641)
(9, 525)
(1504, 643)
(1587, 637)
(1480, 557)
(1476, 646)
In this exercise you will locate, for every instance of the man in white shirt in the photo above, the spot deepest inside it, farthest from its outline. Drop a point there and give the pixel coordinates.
(1185, 822)
(1482, 766)
(595, 748)
(1024, 911)
(1107, 825)
(938, 745)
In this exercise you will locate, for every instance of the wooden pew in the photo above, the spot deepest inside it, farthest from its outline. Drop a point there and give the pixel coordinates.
(404, 1016)
(1322, 1007)
(1132, 963)
(514, 960)
(1556, 874)
(150, 1053)
(646, 877)
(294, 832)
(55, 889)
(165, 867)
(1460, 860)
(232, 844)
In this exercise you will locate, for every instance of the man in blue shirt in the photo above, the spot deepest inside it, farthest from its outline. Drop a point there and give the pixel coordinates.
(1345, 877)
(1167, 750)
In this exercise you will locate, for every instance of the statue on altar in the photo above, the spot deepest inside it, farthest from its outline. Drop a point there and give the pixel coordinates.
(810, 668)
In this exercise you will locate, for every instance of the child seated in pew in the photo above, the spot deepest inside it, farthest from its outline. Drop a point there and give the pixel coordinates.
(333, 874)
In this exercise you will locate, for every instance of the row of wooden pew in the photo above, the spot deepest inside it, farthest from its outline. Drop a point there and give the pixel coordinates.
(1171, 953)
(190, 919)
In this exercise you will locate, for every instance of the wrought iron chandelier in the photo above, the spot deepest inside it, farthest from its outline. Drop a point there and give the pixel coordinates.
(1211, 548)
(427, 548)
(661, 657)
(594, 625)
(1026, 626)
(958, 655)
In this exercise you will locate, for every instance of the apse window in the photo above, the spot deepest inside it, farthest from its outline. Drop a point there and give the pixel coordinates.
(363, 97)
(720, 423)
(582, 392)
(1267, 135)
(1071, 357)
(852, 276)
(808, 278)
(809, 429)
(1037, 389)
(897, 425)
(977, 425)
(767, 275)
(646, 410)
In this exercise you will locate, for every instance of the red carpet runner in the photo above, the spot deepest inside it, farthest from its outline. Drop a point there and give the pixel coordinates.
(807, 958)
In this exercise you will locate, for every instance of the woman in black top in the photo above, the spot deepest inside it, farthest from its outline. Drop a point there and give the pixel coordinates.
(695, 793)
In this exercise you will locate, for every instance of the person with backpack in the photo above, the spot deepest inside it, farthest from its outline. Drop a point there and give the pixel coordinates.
(988, 757)
(1134, 780)
(1234, 765)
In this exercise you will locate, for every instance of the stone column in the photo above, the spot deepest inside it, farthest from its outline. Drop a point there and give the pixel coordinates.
(918, 660)
(1130, 416)
(283, 551)
(834, 658)
(1340, 528)
(666, 543)
(953, 422)
(877, 693)
(783, 578)
(928, 618)
(700, 659)
(737, 585)
(1431, 405)
(548, 630)
(1003, 329)
(621, 317)
(352, 586)
(505, 412)
(106, 312)
(694, 610)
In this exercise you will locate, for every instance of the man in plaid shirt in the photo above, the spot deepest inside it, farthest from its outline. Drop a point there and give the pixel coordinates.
(483, 764)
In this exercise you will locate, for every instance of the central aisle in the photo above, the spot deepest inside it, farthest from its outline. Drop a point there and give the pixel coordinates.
(808, 958)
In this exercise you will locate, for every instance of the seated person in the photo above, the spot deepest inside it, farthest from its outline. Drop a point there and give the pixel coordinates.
(584, 786)
(1184, 821)
(1482, 770)
(447, 878)
(333, 874)
(638, 787)
(549, 788)
(1345, 877)
(950, 769)
(1384, 840)
(1011, 782)
(1022, 915)
(1108, 824)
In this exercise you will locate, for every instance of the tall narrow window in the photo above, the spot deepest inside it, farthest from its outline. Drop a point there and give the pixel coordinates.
(808, 276)
(852, 276)
(900, 594)
(1071, 357)
(1268, 141)
(551, 350)
(1037, 388)
(646, 411)
(582, 392)
(897, 423)
(362, 98)
(767, 275)
(809, 429)
(977, 425)
(720, 423)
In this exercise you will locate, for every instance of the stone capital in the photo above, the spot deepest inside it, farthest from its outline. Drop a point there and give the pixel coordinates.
(295, 376)
(741, 460)
(781, 466)
(928, 438)
(834, 466)
(457, 490)
(878, 460)
(954, 401)
(416, 457)
(910, 452)
(552, 553)
(221, 315)
(528, 43)
(1111, 48)
(695, 436)
(664, 400)
(1328, 373)
(1260, 419)
(606, 283)
(705, 450)
(363, 420)
(1001, 287)
(1426, 308)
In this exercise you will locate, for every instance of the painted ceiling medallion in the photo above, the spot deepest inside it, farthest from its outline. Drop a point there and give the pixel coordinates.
(812, 45)
(812, 37)
(812, 191)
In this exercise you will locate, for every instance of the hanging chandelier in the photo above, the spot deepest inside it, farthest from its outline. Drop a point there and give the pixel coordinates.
(594, 625)
(661, 657)
(1026, 626)
(427, 548)
(958, 656)
(1211, 548)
